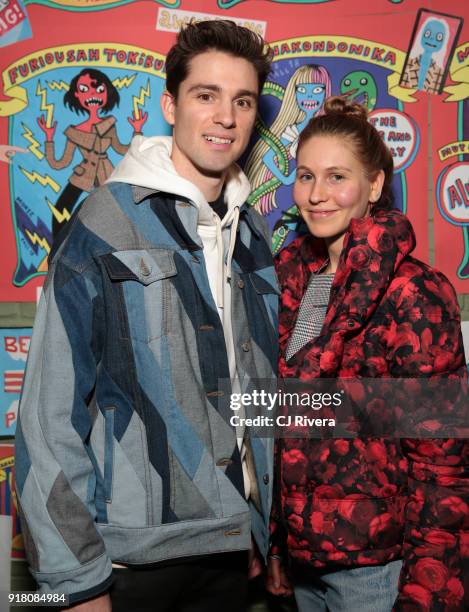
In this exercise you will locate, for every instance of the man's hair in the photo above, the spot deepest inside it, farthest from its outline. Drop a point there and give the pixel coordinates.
(218, 35)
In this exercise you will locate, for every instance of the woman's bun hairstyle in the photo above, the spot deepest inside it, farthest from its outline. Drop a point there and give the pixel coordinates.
(349, 120)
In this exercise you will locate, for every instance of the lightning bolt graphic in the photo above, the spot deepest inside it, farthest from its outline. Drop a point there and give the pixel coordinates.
(57, 85)
(49, 108)
(140, 99)
(126, 81)
(60, 216)
(45, 181)
(36, 239)
(34, 146)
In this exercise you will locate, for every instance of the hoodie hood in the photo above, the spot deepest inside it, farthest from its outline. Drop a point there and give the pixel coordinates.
(148, 163)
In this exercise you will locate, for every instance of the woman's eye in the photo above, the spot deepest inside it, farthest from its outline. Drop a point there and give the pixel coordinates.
(100, 89)
(301, 89)
(336, 178)
(319, 89)
(83, 88)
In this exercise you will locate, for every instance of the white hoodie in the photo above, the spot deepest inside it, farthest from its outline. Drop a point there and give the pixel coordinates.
(147, 163)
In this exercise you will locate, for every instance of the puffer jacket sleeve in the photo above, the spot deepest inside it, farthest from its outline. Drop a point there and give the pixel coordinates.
(55, 479)
(426, 343)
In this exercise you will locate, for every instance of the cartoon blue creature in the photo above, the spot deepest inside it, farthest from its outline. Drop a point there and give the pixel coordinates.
(434, 36)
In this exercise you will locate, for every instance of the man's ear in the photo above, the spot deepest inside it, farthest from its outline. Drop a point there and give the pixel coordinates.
(168, 106)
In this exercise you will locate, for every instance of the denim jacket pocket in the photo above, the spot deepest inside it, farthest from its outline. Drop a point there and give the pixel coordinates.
(146, 292)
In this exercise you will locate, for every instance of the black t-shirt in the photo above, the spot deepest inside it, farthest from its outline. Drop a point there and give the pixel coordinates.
(220, 206)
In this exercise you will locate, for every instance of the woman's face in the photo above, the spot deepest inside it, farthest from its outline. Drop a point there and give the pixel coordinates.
(331, 186)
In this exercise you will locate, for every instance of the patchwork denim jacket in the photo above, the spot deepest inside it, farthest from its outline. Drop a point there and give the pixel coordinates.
(124, 448)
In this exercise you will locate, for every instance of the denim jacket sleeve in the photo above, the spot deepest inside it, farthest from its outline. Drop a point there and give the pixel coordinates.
(55, 479)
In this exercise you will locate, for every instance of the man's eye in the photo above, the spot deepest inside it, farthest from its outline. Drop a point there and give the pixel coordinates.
(244, 103)
(205, 97)
(304, 177)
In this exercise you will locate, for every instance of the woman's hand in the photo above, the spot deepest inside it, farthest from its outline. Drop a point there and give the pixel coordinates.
(48, 131)
(277, 581)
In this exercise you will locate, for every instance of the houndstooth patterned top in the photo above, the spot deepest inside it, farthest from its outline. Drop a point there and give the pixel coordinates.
(312, 312)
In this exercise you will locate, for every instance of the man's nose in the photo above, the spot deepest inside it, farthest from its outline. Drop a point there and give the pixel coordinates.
(224, 114)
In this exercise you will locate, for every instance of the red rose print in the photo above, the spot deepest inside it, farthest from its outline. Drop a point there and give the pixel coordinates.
(430, 573)
(317, 521)
(418, 594)
(359, 257)
(455, 592)
(341, 447)
(380, 240)
(326, 497)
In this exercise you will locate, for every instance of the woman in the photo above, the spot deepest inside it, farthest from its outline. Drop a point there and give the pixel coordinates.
(355, 514)
(91, 92)
(304, 96)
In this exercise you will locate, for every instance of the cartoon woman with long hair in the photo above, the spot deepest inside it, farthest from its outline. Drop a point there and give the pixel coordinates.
(91, 92)
(269, 164)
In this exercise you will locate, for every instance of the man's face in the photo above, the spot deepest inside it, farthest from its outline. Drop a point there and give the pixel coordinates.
(213, 115)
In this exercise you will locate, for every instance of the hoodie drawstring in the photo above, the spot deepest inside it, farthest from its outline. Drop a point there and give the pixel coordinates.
(225, 275)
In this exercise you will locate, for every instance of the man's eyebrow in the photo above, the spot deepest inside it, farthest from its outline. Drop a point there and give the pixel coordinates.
(217, 89)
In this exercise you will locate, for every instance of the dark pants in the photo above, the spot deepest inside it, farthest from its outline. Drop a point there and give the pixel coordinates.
(216, 583)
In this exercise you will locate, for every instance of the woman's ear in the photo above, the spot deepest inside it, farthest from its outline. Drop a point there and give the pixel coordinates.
(376, 187)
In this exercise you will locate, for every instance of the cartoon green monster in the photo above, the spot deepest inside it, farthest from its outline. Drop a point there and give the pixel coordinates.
(360, 86)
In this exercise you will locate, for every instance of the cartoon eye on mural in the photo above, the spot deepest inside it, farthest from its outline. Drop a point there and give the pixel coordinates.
(271, 162)
(432, 45)
(360, 86)
(90, 92)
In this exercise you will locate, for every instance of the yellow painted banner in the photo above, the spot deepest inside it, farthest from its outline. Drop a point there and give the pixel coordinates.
(110, 55)
(353, 48)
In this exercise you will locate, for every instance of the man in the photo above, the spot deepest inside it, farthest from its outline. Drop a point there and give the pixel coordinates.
(162, 286)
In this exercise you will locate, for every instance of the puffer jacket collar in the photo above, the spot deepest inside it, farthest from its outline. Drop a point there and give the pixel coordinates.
(375, 245)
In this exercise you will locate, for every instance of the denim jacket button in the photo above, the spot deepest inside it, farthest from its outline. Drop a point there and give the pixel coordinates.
(241, 283)
(266, 479)
(246, 347)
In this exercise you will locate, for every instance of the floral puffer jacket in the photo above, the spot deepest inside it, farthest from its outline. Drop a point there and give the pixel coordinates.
(354, 502)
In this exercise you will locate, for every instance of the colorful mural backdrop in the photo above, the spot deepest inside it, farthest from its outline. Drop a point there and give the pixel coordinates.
(14, 346)
(90, 77)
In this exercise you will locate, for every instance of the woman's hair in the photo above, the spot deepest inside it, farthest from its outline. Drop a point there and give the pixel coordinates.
(289, 114)
(100, 78)
(349, 121)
